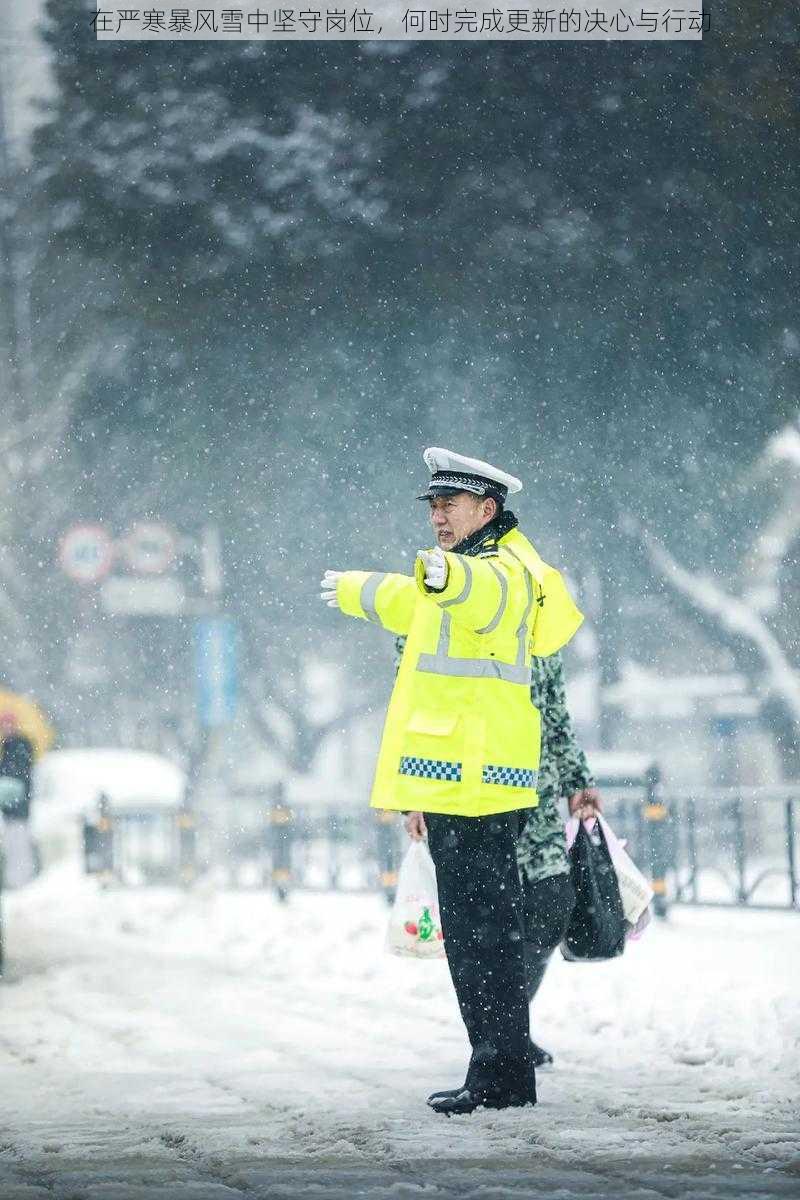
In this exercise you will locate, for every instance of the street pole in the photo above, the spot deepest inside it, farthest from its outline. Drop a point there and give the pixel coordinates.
(212, 582)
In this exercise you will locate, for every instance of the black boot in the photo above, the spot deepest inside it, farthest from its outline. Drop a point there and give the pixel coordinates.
(445, 1094)
(453, 1102)
(462, 1101)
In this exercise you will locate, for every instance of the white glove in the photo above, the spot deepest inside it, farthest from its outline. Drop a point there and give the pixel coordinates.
(328, 584)
(435, 565)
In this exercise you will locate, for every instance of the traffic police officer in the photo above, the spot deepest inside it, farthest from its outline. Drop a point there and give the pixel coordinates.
(461, 743)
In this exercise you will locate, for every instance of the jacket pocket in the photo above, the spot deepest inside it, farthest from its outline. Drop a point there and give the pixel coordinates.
(432, 724)
(433, 746)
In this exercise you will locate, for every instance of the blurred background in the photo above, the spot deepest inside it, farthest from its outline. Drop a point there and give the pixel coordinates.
(243, 285)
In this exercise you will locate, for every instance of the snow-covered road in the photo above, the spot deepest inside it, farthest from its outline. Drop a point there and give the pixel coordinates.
(216, 1044)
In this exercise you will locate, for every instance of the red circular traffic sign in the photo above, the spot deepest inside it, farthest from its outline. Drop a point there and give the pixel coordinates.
(86, 553)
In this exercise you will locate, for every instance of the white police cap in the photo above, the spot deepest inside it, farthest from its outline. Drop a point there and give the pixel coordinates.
(452, 473)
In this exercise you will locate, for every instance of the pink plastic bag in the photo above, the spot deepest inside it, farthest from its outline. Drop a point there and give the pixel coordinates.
(634, 889)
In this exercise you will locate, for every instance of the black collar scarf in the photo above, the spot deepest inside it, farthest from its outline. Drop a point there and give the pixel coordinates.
(488, 536)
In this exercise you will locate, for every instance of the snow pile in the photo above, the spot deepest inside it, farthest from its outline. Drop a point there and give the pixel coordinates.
(69, 782)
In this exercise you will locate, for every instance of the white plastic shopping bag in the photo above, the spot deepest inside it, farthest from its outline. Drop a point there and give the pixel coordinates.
(414, 926)
(634, 889)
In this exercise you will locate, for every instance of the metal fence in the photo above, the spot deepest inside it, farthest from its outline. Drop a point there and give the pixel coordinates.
(730, 846)
(130, 845)
(717, 846)
(264, 843)
(711, 846)
(326, 849)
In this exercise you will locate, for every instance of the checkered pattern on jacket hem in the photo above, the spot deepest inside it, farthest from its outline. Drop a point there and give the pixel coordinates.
(431, 768)
(510, 776)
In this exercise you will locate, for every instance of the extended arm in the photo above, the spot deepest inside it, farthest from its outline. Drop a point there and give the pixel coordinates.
(386, 598)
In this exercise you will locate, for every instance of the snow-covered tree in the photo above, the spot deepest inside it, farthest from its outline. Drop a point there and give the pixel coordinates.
(750, 609)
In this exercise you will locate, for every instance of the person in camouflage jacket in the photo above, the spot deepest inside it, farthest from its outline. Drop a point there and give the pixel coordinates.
(563, 771)
(542, 849)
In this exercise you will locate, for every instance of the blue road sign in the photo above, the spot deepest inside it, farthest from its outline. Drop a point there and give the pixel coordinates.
(215, 644)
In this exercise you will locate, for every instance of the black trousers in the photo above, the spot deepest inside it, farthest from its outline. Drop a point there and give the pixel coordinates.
(481, 905)
(548, 905)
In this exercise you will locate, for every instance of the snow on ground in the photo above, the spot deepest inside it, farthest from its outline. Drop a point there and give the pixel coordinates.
(210, 1045)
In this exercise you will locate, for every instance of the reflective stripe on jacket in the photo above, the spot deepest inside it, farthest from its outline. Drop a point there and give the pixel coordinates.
(461, 734)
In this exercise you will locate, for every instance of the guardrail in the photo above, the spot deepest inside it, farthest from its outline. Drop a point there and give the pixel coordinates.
(712, 846)
(287, 848)
(349, 849)
(723, 847)
(736, 847)
(133, 845)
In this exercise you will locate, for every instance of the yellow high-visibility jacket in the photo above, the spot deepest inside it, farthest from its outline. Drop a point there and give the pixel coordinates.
(461, 734)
